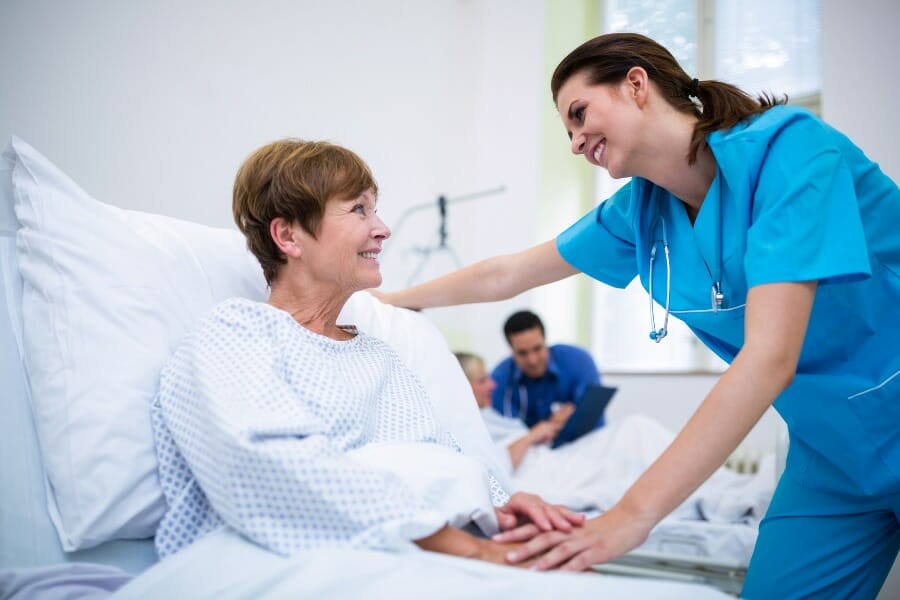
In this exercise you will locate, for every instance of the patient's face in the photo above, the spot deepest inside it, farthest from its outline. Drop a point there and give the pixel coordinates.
(530, 352)
(482, 386)
(344, 254)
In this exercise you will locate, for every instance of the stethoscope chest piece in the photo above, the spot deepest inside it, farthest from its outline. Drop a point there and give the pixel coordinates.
(717, 297)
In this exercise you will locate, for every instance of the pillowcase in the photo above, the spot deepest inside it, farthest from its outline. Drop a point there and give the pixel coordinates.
(108, 293)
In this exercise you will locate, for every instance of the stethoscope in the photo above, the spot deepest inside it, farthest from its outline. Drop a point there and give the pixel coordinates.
(507, 399)
(717, 298)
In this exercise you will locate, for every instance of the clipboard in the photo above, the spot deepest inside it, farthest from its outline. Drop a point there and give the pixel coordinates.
(588, 412)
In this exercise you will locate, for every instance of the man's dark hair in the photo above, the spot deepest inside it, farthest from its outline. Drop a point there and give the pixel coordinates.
(521, 321)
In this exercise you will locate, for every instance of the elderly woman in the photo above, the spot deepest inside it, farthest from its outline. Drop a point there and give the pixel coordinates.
(261, 404)
(511, 432)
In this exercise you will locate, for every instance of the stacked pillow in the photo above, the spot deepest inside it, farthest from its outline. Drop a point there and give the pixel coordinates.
(108, 293)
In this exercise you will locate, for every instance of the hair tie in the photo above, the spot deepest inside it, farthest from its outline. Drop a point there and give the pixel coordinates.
(692, 89)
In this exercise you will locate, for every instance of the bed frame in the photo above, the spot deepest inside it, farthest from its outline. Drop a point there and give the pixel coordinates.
(727, 577)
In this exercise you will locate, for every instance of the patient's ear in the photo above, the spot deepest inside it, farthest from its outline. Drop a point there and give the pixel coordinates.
(282, 232)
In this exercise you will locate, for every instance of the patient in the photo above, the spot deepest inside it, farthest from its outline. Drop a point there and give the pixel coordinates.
(262, 404)
(509, 431)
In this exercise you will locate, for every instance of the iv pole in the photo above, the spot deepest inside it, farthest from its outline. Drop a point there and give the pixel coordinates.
(442, 202)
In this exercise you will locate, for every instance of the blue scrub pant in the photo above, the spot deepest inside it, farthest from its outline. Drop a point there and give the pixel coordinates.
(814, 544)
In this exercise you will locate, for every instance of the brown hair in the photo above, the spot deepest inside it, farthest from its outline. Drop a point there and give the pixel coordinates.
(608, 58)
(292, 179)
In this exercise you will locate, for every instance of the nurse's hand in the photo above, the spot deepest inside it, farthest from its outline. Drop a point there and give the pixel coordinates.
(599, 540)
(529, 512)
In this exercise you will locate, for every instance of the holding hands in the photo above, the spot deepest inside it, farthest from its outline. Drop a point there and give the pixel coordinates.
(598, 540)
(528, 510)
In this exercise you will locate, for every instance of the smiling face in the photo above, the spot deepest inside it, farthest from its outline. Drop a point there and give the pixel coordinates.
(343, 256)
(603, 121)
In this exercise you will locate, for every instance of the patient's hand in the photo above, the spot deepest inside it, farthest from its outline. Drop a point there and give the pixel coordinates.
(497, 553)
(543, 432)
(562, 414)
(529, 509)
(450, 540)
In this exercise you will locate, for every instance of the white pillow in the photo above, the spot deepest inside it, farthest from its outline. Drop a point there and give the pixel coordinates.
(108, 293)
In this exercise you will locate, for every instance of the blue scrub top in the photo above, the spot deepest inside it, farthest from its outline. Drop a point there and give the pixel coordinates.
(798, 202)
(570, 371)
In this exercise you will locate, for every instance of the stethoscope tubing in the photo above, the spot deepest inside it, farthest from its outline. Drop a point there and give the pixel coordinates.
(717, 296)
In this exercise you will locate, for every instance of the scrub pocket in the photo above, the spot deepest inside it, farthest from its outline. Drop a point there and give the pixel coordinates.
(878, 409)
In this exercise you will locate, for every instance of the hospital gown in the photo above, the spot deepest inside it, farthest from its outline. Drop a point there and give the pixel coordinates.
(253, 420)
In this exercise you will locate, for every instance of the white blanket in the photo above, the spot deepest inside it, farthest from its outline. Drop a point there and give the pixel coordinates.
(224, 566)
(596, 470)
(454, 484)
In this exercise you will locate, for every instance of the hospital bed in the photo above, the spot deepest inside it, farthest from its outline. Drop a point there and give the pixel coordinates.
(94, 298)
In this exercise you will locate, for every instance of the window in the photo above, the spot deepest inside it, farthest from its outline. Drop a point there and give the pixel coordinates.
(767, 45)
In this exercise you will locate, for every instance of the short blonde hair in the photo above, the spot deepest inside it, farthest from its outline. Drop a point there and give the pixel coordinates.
(469, 363)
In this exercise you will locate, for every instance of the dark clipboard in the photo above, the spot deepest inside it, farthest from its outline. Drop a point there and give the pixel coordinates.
(588, 412)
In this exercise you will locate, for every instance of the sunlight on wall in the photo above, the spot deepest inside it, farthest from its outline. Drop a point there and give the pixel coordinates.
(565, 182)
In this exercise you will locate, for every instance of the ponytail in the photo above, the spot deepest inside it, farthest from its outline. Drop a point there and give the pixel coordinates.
(721, 106)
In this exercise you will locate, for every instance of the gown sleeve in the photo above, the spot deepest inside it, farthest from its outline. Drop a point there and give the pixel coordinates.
(264, 461)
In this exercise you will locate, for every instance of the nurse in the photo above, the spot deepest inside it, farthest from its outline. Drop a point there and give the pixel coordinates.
(775, 239)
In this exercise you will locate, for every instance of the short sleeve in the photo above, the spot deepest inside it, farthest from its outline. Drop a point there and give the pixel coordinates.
(601, 243)
(805, 222)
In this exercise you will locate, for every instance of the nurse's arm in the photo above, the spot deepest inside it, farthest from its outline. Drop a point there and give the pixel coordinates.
(493, 279)
(775, 326)
(776, 320)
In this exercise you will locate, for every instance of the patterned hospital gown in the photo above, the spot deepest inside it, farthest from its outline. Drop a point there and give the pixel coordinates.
(252, 421)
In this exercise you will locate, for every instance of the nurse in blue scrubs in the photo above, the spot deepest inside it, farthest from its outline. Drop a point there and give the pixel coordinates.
(776, 240)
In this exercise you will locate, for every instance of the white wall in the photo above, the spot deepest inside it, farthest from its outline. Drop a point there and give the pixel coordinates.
(672, 398)
(860, 54)
(860, 51)
(153, 106)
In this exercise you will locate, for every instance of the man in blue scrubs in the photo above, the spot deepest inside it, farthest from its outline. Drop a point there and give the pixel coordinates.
(537, 379)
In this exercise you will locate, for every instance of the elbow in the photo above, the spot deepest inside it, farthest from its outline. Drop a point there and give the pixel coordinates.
(501, 278)
(786, 376)
(783, 367)
(780, 370)
(774, 366)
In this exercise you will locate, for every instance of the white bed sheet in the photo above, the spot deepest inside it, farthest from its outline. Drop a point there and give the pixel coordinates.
(718, 522)
(225, 566)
